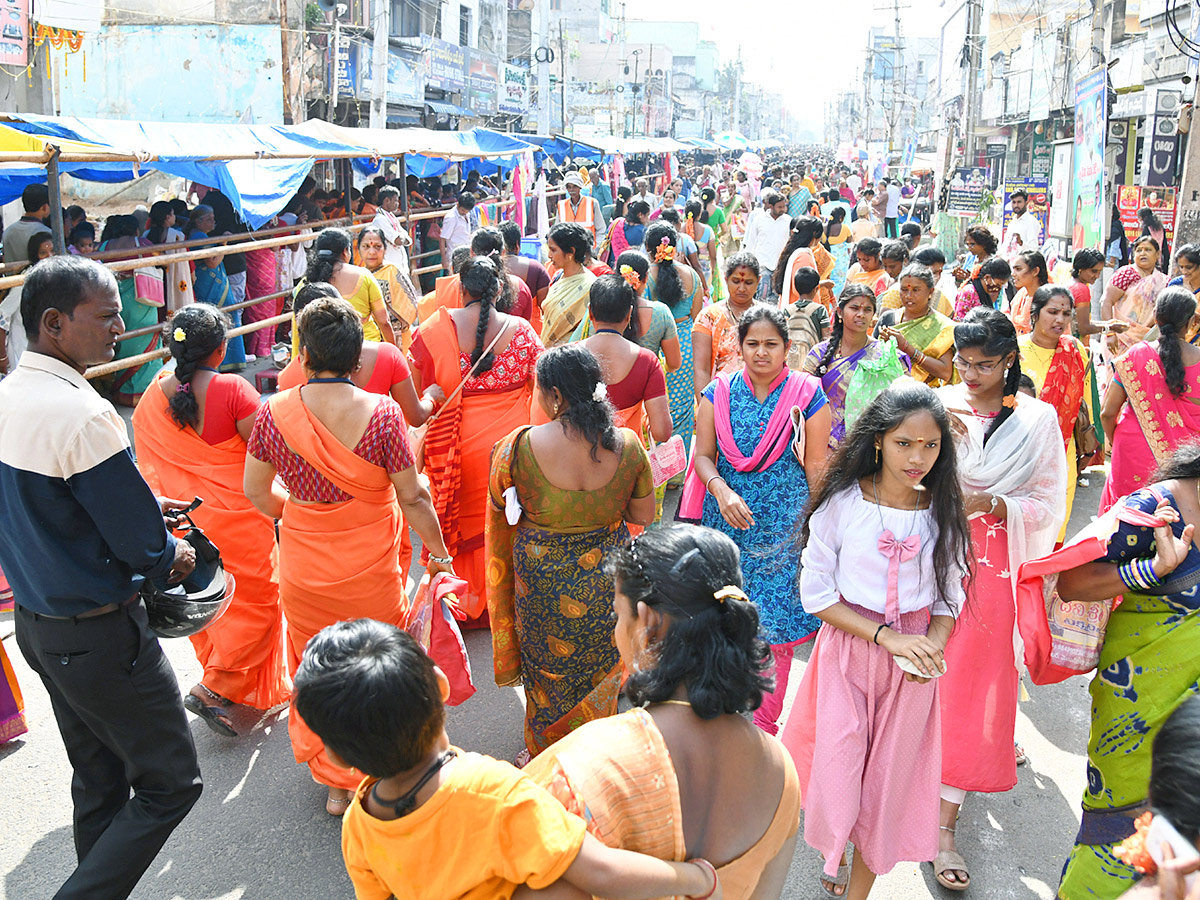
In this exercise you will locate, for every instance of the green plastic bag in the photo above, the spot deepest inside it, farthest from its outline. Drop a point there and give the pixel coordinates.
(870, 379)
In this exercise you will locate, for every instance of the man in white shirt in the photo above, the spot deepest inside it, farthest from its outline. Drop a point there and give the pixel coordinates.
(1024, 231)
(855, 183)
(456, 229)
(642, 192)
(892, 212)
(766, 235)
(394, 235)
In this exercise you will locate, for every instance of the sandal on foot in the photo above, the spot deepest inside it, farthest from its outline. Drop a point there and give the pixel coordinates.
(950, 861)
(841, 879)
(1020, 754)
(215, 717)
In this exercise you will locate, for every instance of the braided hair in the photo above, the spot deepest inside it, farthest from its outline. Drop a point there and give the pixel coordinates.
(489, 242)
(804, 230)
(331, 246)
(574, 372)
(670, 285)
(1173, 313)
(994, 334)
(640, 263)
(481, 278)
(193, 334)
(850, 292)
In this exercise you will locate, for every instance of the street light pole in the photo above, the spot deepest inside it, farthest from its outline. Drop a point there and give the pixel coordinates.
(543, 45)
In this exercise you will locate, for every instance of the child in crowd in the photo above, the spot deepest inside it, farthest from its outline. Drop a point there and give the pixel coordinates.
(434, 822)
(865, 730)
(808, 320)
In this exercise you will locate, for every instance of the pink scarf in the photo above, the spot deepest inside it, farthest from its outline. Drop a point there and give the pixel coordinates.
(798, 391)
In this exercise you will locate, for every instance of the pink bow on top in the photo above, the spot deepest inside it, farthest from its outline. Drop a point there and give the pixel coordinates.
(896, 551)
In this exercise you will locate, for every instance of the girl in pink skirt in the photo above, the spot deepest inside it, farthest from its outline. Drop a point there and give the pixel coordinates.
(886, 549)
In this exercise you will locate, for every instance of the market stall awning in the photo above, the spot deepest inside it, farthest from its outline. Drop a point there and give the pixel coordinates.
(450, 109)
(259, 167)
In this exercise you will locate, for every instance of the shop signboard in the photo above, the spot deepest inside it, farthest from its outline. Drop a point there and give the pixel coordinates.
(445, 64)
(405, 77)
(346, 68)
(483, 83)
(1042, 155)
(966, 190)
(1088, 219)
(514, 91)
(1062, 174)
(1160, 200)
(14, 34)
(1164, 142)
(1038, 191)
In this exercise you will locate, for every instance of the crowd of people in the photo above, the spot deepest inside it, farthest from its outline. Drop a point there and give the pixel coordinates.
(862, 440)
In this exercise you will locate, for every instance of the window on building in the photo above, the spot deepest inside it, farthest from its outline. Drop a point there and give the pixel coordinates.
(464, 26)
(556, 5)
(406, 18)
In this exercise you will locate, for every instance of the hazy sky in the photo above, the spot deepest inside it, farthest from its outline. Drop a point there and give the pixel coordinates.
(832, 33)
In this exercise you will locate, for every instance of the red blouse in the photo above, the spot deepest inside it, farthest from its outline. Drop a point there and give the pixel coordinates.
(384, 443)
(512, 367)
(645, 381)
(227, 399)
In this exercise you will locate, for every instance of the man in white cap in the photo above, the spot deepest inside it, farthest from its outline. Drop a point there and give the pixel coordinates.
(581, 210)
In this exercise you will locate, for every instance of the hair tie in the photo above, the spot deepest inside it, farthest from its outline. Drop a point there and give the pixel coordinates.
(179, 335)
(1010, 401)
(730, 591)
(325, 252)
(184, 388)
(632, 278)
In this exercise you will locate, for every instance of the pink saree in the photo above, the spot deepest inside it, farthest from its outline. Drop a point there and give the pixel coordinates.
(776, 439)
(1152, 423)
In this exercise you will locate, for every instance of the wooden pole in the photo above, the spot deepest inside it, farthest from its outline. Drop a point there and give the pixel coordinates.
(56, 218)
(131, 362)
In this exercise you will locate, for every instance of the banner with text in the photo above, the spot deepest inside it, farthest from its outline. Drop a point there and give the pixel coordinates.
(514, 91)
(1038, 190)
(966, 190)
(1159, 200)
(445, 64)
(1091, 131)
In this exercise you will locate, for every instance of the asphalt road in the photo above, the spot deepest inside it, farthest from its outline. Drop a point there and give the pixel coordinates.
(260, 830)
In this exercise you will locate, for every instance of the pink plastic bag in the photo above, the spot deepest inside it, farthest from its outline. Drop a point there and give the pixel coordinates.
(431, 620)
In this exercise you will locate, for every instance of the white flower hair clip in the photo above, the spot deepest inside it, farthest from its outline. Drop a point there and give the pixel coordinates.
(600, 394)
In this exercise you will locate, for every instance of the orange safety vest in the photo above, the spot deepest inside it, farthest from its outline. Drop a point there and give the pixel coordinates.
(583, 216)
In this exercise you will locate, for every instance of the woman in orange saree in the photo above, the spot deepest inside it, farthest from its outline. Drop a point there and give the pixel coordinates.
(343, 456)
(495, 395)
(190, 429)
(1153, 402)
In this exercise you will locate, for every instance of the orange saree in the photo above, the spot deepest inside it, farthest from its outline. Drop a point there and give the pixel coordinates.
(337, 561)
(242, 652)
(458, 453)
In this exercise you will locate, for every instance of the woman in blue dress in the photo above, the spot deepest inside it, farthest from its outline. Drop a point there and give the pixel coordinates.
(762, 435)
(675, 284)
(212, 286)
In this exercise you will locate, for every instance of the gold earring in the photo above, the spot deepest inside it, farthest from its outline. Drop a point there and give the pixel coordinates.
(878, 454)
(556, 410)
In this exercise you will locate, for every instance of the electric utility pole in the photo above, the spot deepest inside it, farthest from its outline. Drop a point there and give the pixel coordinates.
(381, 23)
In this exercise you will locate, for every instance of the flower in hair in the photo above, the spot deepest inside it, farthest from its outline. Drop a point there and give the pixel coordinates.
(730, 591)
(1010, 401)
(600, 394)
(631, 276)
(179, 335)
(665, 251)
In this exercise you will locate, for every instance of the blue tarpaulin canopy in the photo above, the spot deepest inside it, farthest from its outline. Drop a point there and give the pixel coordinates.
(259, 167)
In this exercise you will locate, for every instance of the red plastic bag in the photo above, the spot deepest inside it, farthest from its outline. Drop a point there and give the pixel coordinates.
(431, 620)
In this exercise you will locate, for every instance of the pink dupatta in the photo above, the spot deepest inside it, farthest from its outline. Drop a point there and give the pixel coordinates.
(797, 392)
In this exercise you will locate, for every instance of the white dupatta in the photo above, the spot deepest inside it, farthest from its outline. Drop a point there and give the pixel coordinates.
(1025, 465)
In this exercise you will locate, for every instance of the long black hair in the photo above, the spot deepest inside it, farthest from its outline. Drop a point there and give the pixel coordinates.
(857, 459)
(489, 242)
(481, 278)
(1085, 258)
(1175, 769)
(669, 286)
(849, 292)
(1183, 463)
(1173, 313)
(992, 332)
(159, 211)
(640, 263)
(194, 334)
(804, 230)
(611, 299)
(711, 646)
(575, 372)
(331, 246)
(997, 267)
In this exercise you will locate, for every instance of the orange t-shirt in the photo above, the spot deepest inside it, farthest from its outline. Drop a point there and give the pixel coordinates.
(487, 830)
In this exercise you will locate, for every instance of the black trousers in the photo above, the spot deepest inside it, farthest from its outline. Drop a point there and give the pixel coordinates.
(121, 717)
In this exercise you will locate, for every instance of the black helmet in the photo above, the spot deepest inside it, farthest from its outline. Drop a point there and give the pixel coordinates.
(191, 605)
